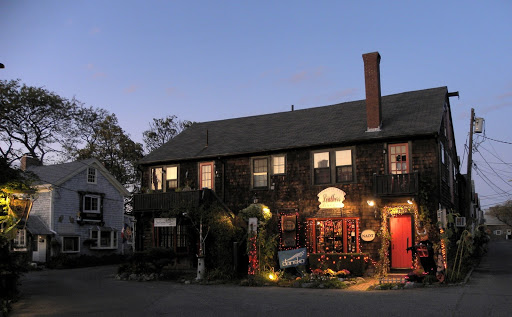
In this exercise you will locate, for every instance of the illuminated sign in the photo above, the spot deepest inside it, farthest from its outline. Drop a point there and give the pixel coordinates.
(331, 197)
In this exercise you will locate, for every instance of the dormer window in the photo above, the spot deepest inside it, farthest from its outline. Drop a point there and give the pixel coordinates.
(91, 175)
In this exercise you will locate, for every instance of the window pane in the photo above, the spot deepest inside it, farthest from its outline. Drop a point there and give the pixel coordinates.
(278, 164)
(260, 175)
(322, 175)
(343, 157)
(70, 244)
(156, 178)
(91, 175)
(206, 176)
(343, 174)
(172, 173)
(321, 159)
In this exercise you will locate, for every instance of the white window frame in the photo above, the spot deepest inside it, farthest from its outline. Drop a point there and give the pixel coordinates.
(70, 251)
(92, 175)
(96, 245)
(278, 168)
(92, 211)
(254, 174)
(497, 232)
(20, 241)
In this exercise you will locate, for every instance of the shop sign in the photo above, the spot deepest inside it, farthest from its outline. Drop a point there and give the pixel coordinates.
(368, 235)
(292, 258)
(331, 197)
(165, 222)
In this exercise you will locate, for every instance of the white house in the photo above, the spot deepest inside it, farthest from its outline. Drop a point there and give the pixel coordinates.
(79, 209)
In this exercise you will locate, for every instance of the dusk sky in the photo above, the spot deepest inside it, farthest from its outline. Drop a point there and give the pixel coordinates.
(211, 60)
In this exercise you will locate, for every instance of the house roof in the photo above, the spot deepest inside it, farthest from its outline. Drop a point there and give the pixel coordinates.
(406, 114)
(57, 174)
(36, 226)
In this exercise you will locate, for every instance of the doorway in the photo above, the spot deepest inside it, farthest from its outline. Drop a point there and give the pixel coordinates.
(400, 228)
(39, 249)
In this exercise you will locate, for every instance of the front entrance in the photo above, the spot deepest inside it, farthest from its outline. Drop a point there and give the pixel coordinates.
(400, 228)
(39, 249)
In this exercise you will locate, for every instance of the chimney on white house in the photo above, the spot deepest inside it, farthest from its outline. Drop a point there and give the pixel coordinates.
(27, 161)
(372, 85)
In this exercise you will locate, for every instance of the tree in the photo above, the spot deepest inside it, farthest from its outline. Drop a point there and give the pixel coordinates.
(503, 212)
(162, 130)
(109, 143)
(32, 120)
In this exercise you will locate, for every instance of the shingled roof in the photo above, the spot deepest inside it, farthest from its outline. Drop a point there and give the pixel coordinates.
(406, 114)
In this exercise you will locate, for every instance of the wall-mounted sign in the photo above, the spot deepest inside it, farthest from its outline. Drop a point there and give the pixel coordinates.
(165, 222)
(331, 197)
(368, 235)
(253, 225)
(292, 258)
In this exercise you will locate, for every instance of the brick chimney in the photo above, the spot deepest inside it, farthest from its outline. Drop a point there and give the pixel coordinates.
(372, 84)
(27, 161)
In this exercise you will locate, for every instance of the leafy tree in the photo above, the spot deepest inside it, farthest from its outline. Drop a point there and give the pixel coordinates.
(503, 212)
(32, 120)
(109, 143)
(162, 130)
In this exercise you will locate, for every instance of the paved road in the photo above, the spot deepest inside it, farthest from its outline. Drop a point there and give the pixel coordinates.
(94, 292)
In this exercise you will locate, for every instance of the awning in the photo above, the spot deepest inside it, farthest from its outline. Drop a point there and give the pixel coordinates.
(35, 225)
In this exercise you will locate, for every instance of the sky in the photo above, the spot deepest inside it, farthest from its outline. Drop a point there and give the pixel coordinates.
(211, 60)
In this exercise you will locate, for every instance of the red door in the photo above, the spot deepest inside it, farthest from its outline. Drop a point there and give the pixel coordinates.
(400, 228)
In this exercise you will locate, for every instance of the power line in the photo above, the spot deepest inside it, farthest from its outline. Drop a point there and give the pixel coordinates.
(485, 137)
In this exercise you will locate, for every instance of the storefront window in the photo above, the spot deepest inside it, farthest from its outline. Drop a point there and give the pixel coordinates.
(333, 235)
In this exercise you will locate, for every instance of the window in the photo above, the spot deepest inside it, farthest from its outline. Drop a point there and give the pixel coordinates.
(497, 232)
(156, 178)
(164, 178)
(260, 172)
(103, 239)
(344, 166)
(321, 167)
(333, 235)
(278, 164)
(341, 170)
(91, 204)
(175, 238)
(398, 161)
(91, 175)
(206, 175)
(20, 241)
(171, 177)
(442, 152)
(70, 244)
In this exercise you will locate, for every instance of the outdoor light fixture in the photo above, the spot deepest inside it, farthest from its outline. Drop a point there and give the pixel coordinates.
(370, 203)
(410, 201)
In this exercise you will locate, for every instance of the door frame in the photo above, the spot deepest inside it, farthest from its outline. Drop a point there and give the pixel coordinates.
(411, 242)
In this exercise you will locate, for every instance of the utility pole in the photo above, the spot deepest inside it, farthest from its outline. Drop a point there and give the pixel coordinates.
(470, 162)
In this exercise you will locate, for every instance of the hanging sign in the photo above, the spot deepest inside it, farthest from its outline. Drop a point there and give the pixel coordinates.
(331, 197)
(165, 222)
(368, 235)
(292, 258)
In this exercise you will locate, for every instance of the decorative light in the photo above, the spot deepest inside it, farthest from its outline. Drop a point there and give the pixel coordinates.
(271, 276)
(370, 203)
(410, 201)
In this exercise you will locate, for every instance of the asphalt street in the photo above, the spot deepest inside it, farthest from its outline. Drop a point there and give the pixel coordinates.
(95, 292)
